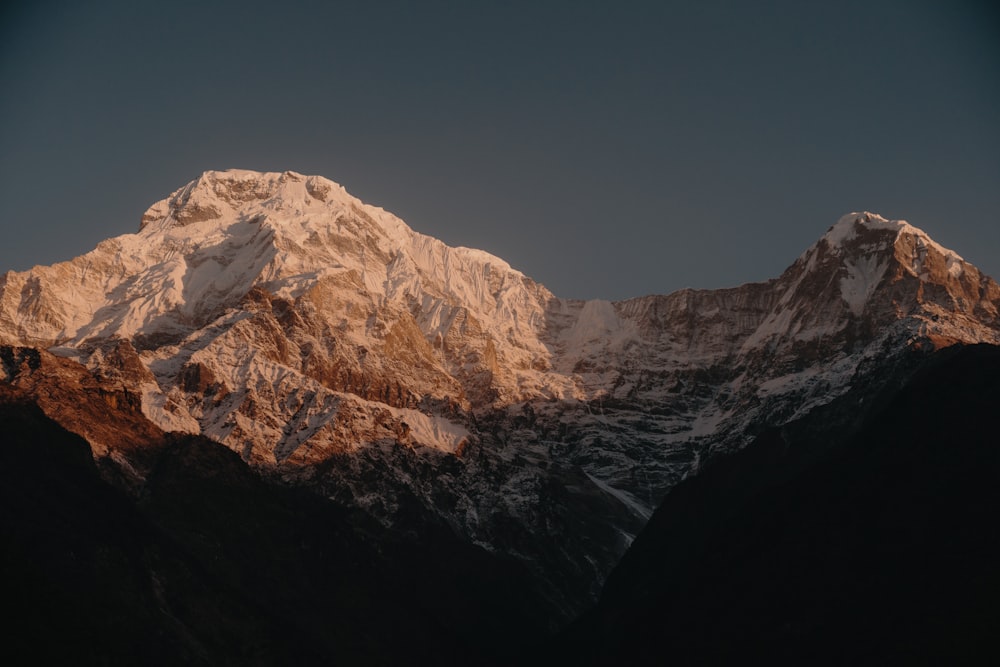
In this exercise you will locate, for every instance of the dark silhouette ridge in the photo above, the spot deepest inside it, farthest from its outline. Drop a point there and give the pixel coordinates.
(828, 541)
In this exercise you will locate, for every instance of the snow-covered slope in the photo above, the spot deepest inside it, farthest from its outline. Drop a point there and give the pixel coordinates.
(260, 281)
(333, 346)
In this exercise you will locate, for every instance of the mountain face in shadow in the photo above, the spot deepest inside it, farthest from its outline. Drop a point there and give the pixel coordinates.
(860, 534)
(209, 564)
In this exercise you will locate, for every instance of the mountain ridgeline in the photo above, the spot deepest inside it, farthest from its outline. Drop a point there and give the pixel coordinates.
(272, 340)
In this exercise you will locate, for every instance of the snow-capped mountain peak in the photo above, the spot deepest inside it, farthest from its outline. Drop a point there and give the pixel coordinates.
(217, 195)
(330, 344)
(848, 226)
(863, 253)
(204, 247)
(861, 232)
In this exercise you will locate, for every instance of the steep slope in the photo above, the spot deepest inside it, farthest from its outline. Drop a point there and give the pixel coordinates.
(210, 565)
(104, 409)
(855, 535)
(331, 346)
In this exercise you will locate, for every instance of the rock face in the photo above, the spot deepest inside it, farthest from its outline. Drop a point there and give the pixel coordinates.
(331, 346)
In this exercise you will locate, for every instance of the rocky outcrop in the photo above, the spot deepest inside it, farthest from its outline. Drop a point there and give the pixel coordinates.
(105, 410)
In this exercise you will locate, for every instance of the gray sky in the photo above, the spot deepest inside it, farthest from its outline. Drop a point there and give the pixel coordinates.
(607, 149)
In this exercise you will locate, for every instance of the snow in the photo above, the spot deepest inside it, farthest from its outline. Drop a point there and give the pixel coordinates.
(431, 431)
(160, 409)
(598, 319)
(846, 229)
(199, 251)
(863, 276)
(627, 499)
(955, 265)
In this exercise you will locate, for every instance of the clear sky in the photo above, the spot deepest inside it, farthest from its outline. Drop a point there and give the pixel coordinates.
(607, 149)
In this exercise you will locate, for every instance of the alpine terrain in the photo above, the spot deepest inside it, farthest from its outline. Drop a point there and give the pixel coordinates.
(427, 390)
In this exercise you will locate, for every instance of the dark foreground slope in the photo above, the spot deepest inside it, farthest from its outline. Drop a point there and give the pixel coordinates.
(210, 565)
(862, 534)
(865, 533)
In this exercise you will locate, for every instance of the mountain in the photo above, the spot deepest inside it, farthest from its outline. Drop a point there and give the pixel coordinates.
(844, 537)
(333, 348)
(211, 565)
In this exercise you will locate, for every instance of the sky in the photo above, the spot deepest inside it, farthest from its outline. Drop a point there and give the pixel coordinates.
(606, 149)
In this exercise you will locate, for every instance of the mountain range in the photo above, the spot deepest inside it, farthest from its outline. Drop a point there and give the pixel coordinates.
(271, 332)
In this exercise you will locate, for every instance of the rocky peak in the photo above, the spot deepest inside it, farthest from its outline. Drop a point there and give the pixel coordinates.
(217, 193)
(860, 238)
(870, 272)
